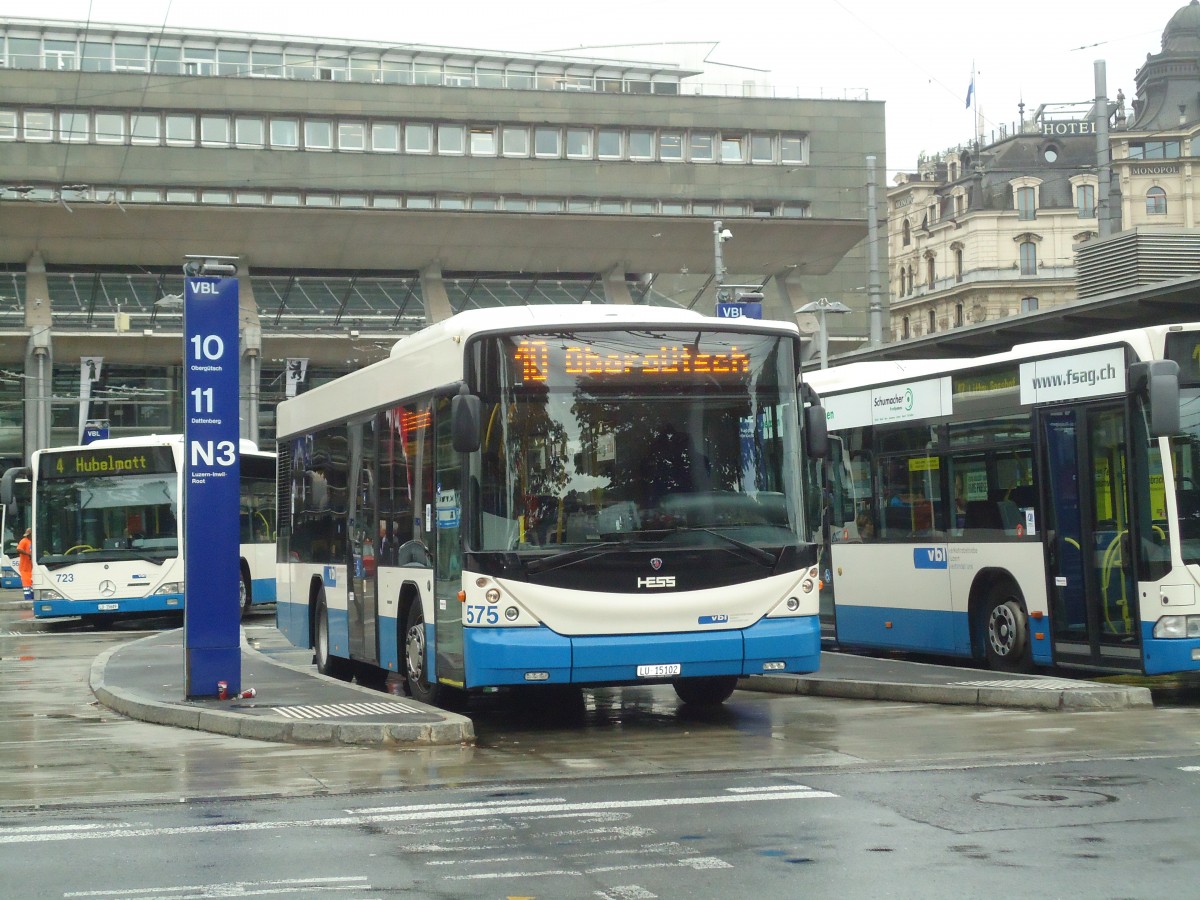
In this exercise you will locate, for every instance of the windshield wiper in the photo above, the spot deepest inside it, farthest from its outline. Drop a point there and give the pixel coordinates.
(756, 554)
(546, 563)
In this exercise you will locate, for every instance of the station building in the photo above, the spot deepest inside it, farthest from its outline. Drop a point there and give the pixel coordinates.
(367, 190)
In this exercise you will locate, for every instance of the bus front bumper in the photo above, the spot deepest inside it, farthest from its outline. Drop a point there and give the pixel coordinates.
(109, 606)
(508, 656)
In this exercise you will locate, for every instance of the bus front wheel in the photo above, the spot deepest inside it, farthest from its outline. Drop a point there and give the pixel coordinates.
(1006, 631)
(711, 691)
(333, 666)
(416, 658)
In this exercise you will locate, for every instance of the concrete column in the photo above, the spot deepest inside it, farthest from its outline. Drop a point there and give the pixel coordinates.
(39, 357)
(616, 288)
(793, 296)
(250, 369)
(433, 290)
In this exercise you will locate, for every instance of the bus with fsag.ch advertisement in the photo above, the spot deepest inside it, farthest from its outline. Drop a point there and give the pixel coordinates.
(1036, 507)
(560, 495)
(106, 540)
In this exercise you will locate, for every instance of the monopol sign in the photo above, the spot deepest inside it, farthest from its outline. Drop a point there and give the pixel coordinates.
(211, 475)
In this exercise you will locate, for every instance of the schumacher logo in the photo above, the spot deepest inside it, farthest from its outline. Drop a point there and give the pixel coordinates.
(657, 581)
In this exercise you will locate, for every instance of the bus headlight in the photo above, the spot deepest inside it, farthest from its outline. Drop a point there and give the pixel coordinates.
(49, 595)
(171, 587)
(1177, 627)
(492, 595)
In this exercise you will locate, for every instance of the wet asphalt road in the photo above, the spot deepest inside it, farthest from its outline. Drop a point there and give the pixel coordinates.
(621, 795)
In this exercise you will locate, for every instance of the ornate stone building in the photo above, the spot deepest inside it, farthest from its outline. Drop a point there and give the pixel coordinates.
(987, 231)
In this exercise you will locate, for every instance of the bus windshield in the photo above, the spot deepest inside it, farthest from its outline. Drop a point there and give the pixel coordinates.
(1185, 448)
(114, 515)
(683, 438)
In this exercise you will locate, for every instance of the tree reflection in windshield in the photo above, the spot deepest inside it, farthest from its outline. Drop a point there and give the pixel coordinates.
(579, 457)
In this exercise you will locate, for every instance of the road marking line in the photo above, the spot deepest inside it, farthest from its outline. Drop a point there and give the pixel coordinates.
(408, 817)
(235, 888)
(342, 710)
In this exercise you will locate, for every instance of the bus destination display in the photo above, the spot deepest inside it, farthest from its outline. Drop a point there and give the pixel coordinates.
(538, 361)
(109, 461)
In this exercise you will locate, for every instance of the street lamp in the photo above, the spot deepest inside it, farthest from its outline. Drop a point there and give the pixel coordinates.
(821, 307)
(720, 236)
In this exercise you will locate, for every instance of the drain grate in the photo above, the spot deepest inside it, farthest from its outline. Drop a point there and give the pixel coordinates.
(1040, 684)
(344, 710)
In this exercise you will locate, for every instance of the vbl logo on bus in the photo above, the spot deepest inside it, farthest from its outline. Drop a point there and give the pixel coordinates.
(930, 558)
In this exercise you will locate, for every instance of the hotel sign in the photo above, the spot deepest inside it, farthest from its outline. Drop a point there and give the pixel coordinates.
(1066, 129)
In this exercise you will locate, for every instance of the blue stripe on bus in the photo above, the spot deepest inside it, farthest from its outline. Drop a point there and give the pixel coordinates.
(292, 620)
(339, 633)
(924, 630)
(49, 609)
(262, 590)
(10, 580)
(498, 656)
(892, 628)
(1161, 655)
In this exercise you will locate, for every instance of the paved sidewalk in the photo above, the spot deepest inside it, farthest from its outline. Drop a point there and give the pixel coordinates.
(857, 677)
(144, 680)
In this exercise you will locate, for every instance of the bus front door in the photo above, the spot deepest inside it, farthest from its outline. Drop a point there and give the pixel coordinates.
(1093, 606)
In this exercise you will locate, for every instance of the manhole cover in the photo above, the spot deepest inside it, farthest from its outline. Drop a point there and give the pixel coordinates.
(1044, 798)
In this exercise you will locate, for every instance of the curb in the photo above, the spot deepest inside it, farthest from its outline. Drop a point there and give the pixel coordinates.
(1016, 697)
(455, 729)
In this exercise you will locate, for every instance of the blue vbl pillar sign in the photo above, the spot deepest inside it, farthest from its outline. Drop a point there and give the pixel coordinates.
(739, 310)
(212, 466)
(95, 430)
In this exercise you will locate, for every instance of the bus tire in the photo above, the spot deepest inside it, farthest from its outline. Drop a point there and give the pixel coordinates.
(416, 658)
(333, 666)
(1006, 631)
(245, 592)
(711, 691)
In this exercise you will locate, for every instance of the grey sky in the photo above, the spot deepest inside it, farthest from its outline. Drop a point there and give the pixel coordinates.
(917, 58)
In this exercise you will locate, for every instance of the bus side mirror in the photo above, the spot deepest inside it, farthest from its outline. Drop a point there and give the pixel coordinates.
(8, 493)
(816, 432)
(1158, 381)
(465, 421)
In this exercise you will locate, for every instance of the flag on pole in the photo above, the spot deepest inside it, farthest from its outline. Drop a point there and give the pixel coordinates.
(970, 90)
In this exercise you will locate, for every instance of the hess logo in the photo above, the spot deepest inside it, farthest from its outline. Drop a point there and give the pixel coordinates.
(657, 581)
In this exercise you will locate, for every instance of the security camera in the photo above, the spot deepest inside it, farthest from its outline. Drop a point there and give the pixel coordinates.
(726, 234)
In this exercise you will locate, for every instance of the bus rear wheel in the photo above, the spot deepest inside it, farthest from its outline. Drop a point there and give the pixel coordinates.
(333, 666)
(245, 596)
(1006, 632)
(710, 691)
(416, 659)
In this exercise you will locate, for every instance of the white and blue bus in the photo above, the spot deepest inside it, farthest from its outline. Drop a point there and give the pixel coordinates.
(15, 499)
(1035, 507)
(106, 539)
(583, 495)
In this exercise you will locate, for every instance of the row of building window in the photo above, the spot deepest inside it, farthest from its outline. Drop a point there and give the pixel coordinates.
(424, 138)
(484, 203)
(906, 329)
(366, 65)
(1025, 199)
(907, 284)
